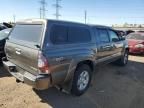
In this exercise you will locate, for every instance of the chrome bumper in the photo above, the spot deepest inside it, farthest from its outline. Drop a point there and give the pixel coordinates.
(40, 82)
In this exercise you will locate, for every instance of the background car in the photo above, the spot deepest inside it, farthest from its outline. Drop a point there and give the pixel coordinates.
(141, 31)
(136, 42)
(2, 27)
(3, 36)
(5, 25)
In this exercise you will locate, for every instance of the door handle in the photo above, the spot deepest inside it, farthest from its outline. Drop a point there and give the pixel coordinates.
(60, 59)
(106, 47)
(18, 51)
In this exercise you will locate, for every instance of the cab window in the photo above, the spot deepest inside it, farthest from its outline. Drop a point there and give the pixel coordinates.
(103, 36)
(113, 36)
(59, 34)
(78, 35)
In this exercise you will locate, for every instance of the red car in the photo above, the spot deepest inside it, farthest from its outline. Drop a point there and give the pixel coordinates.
(136, 42)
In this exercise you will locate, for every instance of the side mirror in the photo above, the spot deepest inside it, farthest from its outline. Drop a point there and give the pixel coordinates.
(115, 40)
(123, 38)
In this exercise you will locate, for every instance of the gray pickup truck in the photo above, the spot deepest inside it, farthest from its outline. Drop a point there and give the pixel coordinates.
(46, 53)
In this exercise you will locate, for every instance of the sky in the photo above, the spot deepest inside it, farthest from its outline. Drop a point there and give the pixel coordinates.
(105, 12)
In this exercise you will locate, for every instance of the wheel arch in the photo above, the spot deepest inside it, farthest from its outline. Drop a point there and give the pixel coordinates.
(67, 86)
(87, 62)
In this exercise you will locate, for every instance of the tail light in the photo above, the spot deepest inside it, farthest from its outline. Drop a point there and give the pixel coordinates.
(43, 64)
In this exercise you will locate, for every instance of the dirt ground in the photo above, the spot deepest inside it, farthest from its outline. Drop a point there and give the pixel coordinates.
(112, 87)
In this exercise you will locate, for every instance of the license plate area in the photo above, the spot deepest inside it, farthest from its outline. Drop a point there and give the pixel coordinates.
(12, 69)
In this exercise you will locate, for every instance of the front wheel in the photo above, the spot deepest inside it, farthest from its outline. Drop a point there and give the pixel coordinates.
(124, 59)
(81, 80)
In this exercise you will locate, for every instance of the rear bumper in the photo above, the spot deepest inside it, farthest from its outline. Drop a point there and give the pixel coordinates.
(40, 82)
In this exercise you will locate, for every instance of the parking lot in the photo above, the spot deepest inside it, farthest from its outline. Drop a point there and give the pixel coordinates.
(112, 87)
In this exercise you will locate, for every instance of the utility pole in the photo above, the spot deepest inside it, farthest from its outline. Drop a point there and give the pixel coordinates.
(85, 16)
(40, 12)
(57, 6)
(43, 9)
(14, 18)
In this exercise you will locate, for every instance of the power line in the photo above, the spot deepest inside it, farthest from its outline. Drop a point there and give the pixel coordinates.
(43, 9)
(57, 6)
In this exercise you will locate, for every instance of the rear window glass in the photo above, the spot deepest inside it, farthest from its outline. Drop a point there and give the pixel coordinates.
(28, 33)
(136, 36)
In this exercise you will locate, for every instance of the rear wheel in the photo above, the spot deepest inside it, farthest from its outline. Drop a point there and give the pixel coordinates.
(81, 80)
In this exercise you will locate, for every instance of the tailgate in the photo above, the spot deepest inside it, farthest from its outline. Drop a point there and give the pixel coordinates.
(24, 57)
(23, 46)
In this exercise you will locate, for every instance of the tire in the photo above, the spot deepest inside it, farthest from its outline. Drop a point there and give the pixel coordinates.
(124, 59)
(0, 60)
(81, 80)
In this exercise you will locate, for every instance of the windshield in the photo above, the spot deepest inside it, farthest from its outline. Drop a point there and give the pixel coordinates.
(27, 33)
(4, 34)
(136, 36)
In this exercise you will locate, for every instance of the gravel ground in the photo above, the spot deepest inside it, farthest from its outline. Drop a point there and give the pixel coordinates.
(112, 87)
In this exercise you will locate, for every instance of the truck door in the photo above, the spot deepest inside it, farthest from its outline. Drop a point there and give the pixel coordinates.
(117, 45)
(104, 47)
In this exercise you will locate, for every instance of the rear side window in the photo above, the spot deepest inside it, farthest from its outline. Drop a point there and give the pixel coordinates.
(59, 34)
(103, 36)
(28, 33)
(78, 35)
